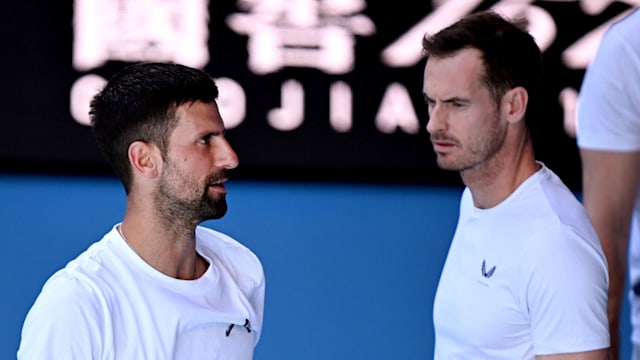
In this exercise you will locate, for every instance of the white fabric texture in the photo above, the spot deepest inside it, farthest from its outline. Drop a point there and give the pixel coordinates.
(609, 118)
(526, 277)
(109, 303)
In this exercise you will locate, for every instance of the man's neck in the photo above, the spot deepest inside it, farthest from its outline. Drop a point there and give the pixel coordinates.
(499, 177)
(168, 248)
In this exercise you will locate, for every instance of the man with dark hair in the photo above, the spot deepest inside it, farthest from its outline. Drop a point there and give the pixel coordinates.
(525, 276)
(158, 285)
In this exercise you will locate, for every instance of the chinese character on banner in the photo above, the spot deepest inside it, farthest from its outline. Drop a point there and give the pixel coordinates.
(134, 31)
(140, 30)
(316, 34)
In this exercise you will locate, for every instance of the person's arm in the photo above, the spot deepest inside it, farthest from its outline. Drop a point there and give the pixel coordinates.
(610, 184)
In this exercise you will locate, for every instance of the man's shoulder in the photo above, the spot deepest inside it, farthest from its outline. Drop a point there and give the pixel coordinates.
(214, 243)
(210, 238)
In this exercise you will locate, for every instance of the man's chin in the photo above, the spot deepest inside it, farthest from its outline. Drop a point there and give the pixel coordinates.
(217, 209)
(218, 215)
(446, 165)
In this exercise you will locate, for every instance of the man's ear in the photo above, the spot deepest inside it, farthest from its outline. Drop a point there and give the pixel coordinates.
(514, 104)
(145, 159)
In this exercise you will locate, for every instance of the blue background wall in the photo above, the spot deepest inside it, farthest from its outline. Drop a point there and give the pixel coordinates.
(351, 268)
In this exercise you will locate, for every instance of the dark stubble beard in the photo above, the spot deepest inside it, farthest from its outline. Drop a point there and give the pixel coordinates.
(192, 208)
(481, 152)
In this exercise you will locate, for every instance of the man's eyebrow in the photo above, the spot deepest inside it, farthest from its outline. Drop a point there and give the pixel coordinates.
(455, 99)
(449, 100)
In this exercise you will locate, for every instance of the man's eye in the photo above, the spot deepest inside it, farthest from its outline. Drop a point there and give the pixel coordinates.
(210, 137)
(430, 104)
(205, 139)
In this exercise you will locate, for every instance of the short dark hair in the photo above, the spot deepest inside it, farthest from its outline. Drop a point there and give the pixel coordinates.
(139, 103)
(510, 55)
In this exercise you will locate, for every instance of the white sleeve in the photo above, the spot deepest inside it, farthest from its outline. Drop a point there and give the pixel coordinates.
(65, 322)
(565, 283)
(609, 100)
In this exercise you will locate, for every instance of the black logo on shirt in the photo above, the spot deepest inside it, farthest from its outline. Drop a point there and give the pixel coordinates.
(486, 273)
(247, 325)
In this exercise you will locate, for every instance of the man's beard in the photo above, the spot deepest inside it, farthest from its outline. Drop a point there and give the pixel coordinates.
(197, 206)
(474, 155)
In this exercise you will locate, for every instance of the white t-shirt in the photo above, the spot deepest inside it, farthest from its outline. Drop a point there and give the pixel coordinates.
(526, 277)
(609, 117)
(108, 303)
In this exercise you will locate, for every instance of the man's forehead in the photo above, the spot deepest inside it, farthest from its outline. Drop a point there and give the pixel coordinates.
(199, 115)
(458, 73)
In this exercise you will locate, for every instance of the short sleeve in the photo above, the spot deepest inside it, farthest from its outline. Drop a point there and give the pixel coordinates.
(609, 100)
(566, 285)
(65, 322)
